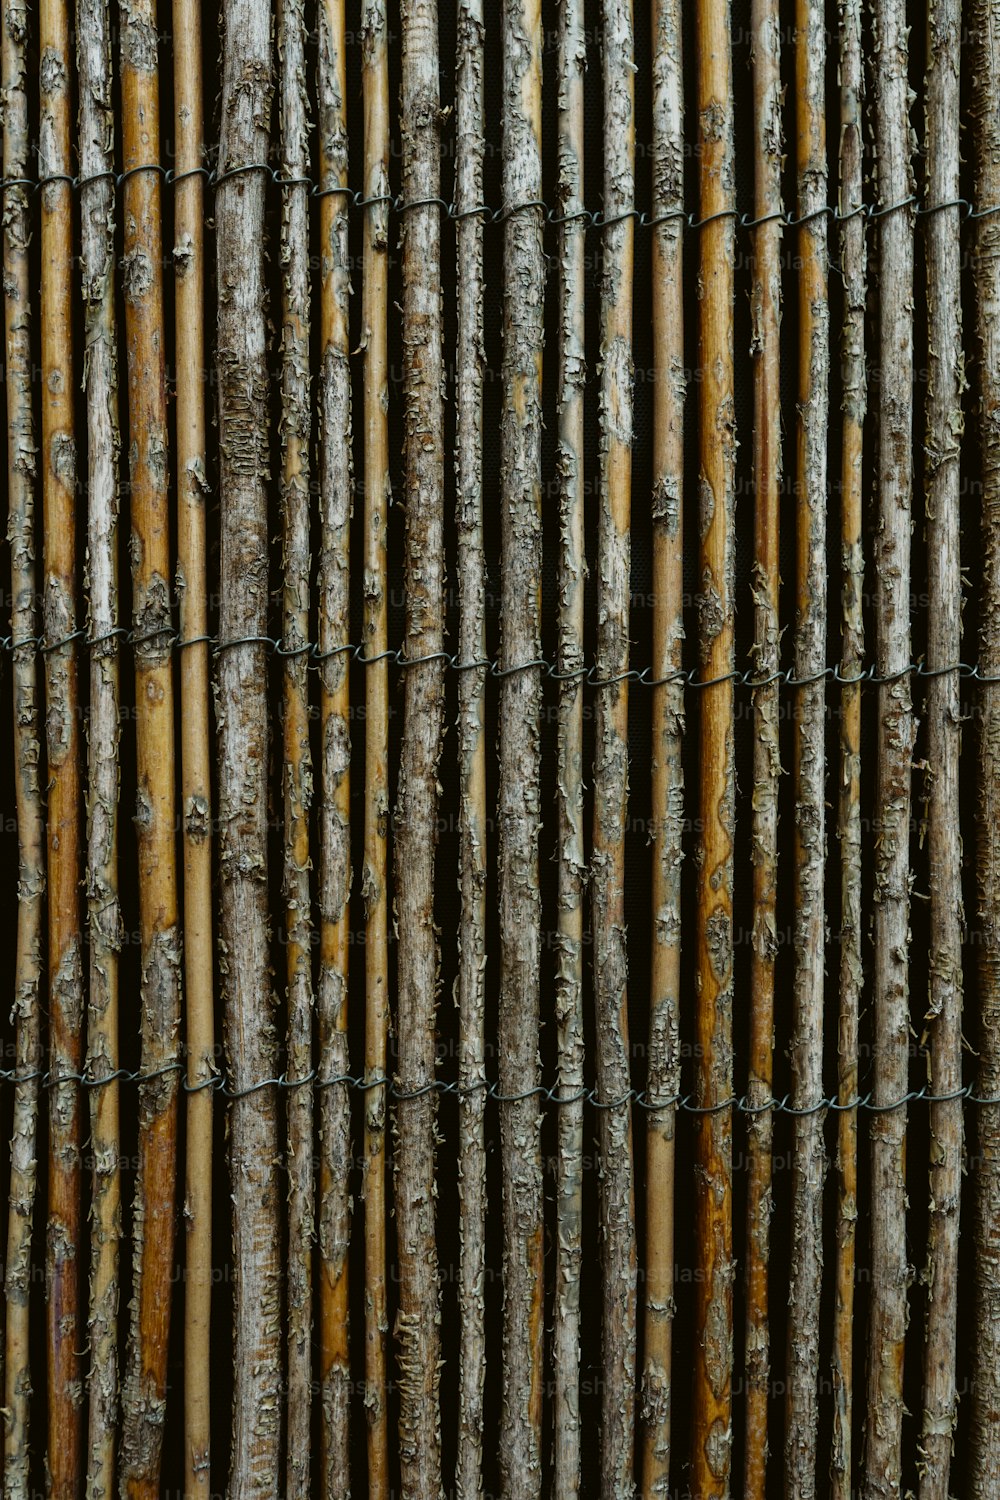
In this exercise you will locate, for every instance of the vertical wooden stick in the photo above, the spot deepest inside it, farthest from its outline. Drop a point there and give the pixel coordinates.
(378, 498)
(241, 696)
(416, 816)
(22, 532)
(809, 755)
(941, 466)
(890, 1269)
(713, 1355)
(853, 246)
(520, 705)
(336, 500)
(572, 857)
(617, 1197)
(192, 482)
(296, 427)
(97, 212)
(470, 360)
(984, 1458)
(62, 726)
(663, 1073)
(765, 306)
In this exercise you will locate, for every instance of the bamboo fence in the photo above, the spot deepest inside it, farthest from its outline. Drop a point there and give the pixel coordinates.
(501, 749)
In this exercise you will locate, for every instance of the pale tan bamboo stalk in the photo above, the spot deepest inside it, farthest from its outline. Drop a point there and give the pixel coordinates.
(97, 213)
(418, 1318)
(809, 756)
(22, 532)
(378, 498)
(470, 361)
(713, 1354)
(853, 376)
(984, 52)
(765, 307)
(336, 499)
(520, 706)
(663, 1072)
(296, 426)
(196, 791)
(62, 726)
(566, 1323)
(890, 1269)
(943, 1024)
(241, 683)
(617, 1191)
(154, 1209)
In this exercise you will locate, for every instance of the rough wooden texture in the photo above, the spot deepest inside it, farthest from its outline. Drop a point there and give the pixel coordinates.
(566, 1329)
(241, 686)
(63, 744)
(890, 1269)
(471, 563)
(713, 1354)
(97, 212)
(520, 704)
(22, 534)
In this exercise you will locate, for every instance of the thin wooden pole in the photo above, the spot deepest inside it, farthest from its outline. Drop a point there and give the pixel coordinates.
(566, 1327)
(984, 1458)
(196, 790)
(22, 532)
(663, 1073)
(471, 562)
(809, 755)
(336, 500)
(97, 213)
(153, 1219)
(890, 1268)
(942, 477)
(296, 428)
(765, 306)
(853, 245)
(241, 696)
(713, 1354)
(62, 725)
(520, 705)
(378, 498)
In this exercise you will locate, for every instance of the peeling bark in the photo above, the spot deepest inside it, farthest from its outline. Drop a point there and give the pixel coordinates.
(520, 705)
(891, 1273)
(471, 563)
(251, 1042)
(713, 1355)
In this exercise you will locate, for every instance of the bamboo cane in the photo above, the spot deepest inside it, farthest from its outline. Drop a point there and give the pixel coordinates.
(663, 1074)
(22, 532)
(472, 743)
(144, 1390)
(296, 425)
(809, 757)
(572, 858)
(65, 1408)
(765, 304)
(711, 1436)
(416, 815)
(890, 1270)
(192, 480)
(617, 1193)
(93, 29)
(854, 399)
(378, 498)
(243, 736)
(984, 1458)
(336, 499)
(520, 705)
(944, 1019)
